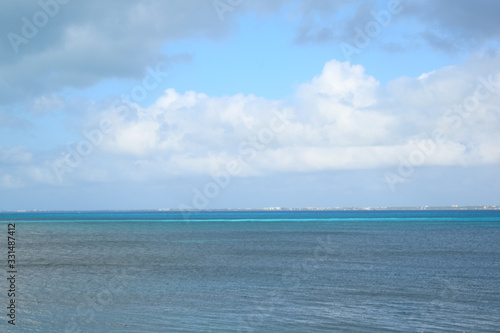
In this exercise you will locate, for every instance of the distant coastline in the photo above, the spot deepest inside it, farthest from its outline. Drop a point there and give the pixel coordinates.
(453, 207)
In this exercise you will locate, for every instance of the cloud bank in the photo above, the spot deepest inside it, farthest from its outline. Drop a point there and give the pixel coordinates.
(341, 119)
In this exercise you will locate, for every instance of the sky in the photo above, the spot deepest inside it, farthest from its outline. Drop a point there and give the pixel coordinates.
(201, 104)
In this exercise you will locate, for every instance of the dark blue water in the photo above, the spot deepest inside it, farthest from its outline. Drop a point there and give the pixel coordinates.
(345, 271)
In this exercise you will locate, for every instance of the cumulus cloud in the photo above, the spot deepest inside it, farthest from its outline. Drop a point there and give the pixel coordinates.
(341, 119)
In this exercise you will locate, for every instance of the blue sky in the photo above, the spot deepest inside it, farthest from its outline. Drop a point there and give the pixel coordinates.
(248, 104)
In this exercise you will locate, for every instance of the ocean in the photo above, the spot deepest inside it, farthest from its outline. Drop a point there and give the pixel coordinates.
(252, 271)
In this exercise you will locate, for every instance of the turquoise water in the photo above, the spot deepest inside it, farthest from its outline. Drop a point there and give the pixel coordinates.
(342, 271)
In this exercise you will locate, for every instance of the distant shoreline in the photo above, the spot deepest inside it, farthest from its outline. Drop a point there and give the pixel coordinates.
(268, 209)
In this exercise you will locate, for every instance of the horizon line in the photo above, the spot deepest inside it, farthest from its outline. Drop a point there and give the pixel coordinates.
(277, 208)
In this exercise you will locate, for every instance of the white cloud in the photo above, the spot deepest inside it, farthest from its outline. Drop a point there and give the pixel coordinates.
(342, 84)
(342, 119)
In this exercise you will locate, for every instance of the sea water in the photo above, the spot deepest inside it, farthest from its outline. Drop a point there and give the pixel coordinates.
(254, 271)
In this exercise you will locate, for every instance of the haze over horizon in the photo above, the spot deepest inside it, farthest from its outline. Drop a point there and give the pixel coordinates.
(238, 103)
